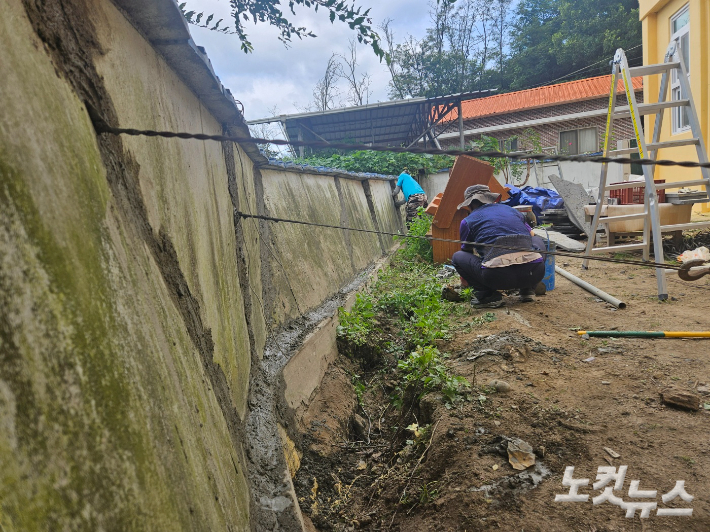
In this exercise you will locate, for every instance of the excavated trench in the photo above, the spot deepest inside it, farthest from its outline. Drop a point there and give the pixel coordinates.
(270, 425)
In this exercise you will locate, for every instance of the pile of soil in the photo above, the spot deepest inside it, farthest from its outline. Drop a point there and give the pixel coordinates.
(367, 465)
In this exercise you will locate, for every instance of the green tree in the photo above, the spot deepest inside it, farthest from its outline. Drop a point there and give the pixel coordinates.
(531, 58)
(550, 39)
(463, 50)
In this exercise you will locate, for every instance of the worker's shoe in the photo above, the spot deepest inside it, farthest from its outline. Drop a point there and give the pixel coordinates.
(527, 295)
(493, 300)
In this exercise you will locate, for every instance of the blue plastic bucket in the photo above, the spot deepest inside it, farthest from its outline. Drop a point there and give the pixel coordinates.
(549, 279)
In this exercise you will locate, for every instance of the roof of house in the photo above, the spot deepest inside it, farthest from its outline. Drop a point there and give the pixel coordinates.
(571, 91)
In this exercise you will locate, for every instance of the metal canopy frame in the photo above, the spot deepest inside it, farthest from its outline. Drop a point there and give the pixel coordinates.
(396, 123)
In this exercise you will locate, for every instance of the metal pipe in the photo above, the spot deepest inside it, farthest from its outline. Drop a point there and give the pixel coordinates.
(591, 288)
(647, 334)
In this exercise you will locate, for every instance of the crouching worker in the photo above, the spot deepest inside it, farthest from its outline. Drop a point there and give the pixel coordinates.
(488, 270)
(414, 195)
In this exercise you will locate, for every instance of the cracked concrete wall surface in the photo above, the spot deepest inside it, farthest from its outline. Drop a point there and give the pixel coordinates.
(141, 320)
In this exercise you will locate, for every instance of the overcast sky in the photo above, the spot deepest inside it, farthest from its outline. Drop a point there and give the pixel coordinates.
(273, 75)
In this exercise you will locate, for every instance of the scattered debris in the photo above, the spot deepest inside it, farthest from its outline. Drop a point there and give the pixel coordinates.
(699, 253)
(446, 272)
(576, 198)
(518, 483)
(606, 382)
(703, 388)
(680, 399)
(608, 350)
(612, 453)
(499, 386)
(563, 242)
(449, 293)
(361, 465)
(590, 359)
(520, 454)
(485, 352)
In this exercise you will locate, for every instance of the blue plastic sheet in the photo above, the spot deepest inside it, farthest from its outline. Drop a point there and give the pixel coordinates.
(541, 199)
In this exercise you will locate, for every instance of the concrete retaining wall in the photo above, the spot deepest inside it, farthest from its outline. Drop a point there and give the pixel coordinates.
(135, 307)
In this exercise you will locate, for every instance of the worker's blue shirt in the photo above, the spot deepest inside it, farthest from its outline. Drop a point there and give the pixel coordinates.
(409, 185)
(489, 222)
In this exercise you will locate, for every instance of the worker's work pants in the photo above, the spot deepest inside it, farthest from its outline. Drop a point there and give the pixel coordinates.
(413, 203)
(486, 281)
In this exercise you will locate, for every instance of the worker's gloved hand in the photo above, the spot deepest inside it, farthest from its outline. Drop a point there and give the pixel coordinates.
(399, 203)
(396, 191)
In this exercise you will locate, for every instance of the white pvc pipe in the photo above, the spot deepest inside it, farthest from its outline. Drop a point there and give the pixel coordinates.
(591, 288)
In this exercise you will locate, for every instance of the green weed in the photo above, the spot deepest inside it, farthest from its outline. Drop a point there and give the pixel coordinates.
(424, 371)
(360, 388)
(357, 324)
(418, 247)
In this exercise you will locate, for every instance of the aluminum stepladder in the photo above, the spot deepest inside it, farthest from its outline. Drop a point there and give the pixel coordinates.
(673, 62)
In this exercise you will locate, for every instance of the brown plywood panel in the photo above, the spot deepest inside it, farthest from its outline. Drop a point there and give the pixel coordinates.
(443, 251)
(466, 172)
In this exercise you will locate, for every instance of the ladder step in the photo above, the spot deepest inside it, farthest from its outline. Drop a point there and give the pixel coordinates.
(622, 218)
(684, 227)
(656, 146)
(649, 108)
(679, 184)
(617, 249)
(649, 70)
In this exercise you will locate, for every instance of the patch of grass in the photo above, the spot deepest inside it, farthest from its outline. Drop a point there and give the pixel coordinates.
(686, 459)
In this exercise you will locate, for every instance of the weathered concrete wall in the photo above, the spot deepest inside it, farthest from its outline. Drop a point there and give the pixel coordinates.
(134, 304)
(109, 419)
(310, 264)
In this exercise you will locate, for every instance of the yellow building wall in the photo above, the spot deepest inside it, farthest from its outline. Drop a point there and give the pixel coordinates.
(656, 27)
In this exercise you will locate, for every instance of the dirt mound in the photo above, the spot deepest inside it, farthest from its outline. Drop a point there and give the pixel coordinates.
(432, 465)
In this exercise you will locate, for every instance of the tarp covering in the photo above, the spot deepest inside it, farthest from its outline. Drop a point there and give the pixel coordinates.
(541, 199)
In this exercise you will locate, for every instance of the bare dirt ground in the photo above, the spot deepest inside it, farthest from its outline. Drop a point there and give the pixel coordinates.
(458, 478)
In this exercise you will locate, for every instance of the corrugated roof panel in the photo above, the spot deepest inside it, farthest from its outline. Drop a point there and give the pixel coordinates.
(571, 91)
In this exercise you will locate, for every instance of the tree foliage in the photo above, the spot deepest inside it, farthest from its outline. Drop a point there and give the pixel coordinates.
(387, 163)
(270, 12)
(552, 38)
(494, 44)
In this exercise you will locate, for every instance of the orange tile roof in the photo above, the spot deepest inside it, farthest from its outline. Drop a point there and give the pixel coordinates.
(571, 91)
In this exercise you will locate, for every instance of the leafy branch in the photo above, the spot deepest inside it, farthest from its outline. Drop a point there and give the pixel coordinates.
(269, 11)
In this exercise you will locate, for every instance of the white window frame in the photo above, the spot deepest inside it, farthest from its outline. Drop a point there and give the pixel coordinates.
(677, 125)
(577, 130)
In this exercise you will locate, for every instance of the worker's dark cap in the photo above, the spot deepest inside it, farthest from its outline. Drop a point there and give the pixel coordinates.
(478, 193)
